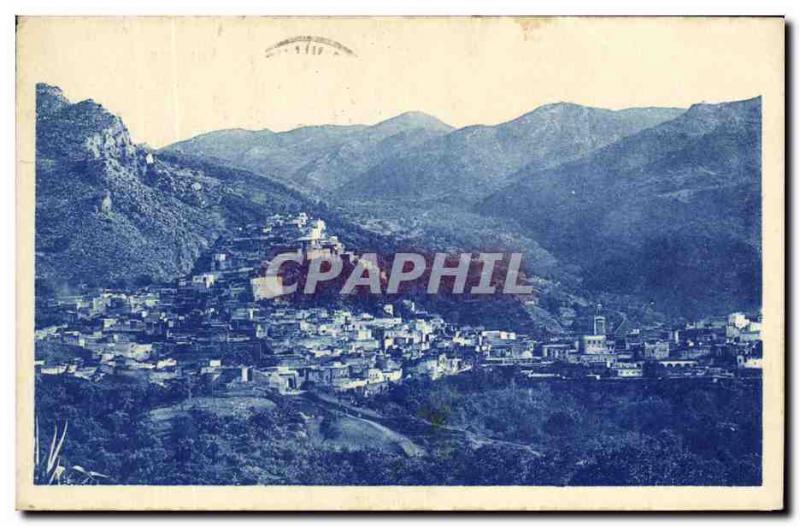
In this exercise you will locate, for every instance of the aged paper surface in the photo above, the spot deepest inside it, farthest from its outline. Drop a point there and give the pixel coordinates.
(130, 202)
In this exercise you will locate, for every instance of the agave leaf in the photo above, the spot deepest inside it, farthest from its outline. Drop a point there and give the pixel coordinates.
(61, 440)
(51, 457)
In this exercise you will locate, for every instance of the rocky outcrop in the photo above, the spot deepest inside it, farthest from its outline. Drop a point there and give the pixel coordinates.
(110, 211)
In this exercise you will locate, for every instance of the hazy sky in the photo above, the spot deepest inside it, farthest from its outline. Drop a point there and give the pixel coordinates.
(170, 79)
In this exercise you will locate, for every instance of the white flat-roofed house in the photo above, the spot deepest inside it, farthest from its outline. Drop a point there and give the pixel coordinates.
(166, 363)
(558, 351)
(349, 384)
(282, 379)
(752, 362)
(499, 335)
(603, 359)
(375, 376)
(658, 350)
(738, 320)
(132, 350)
(629, 369)
(267, 287)
(53, 369)
(593, 344)
(361, 334)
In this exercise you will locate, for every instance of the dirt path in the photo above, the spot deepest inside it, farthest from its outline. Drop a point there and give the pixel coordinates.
(409, 448)
(370, 417)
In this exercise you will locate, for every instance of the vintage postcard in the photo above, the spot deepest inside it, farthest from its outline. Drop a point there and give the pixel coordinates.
(484, 263)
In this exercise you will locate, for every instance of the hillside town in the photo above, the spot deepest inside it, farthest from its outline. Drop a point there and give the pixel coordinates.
(222, 327)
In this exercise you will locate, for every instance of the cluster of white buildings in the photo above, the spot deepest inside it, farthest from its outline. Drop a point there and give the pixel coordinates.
(211, 326)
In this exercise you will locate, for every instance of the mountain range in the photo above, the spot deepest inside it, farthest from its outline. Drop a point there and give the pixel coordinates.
(415, 156)
(467, 163)
(661, 205)
(315, 157)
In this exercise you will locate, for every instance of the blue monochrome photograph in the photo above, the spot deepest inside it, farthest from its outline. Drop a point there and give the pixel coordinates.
(319, 253)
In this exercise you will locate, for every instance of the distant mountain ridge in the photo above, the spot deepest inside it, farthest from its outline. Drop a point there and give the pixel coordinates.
(414, 155)
(314, 157)
(468, 163)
